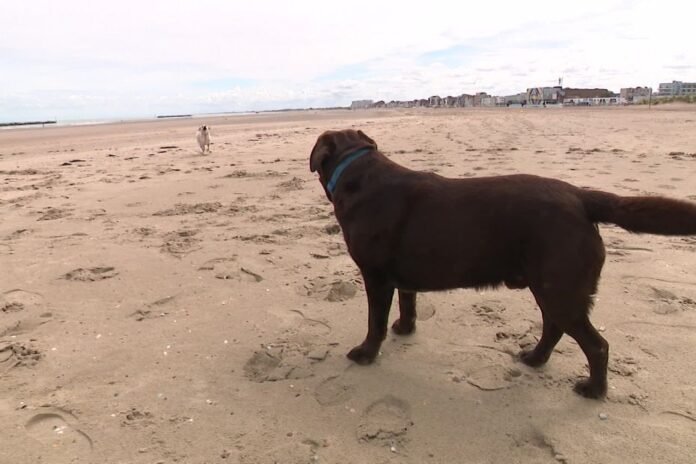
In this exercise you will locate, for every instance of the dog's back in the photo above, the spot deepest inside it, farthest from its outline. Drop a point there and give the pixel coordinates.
(480, 231)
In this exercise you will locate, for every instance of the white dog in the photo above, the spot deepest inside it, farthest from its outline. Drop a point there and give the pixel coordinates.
(203, 137)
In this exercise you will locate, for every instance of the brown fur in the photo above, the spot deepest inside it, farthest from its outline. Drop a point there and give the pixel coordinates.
(413, 231)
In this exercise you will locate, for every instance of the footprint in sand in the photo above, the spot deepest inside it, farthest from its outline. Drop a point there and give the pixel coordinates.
(156, 311)
(386, 421)
(242, 275)
(136, 418)
(618, 247)
(670, 303)
(341, 291)
(336, 249)
(91, 275)
(424, 309)
(335, 290)
(491, 312)
(625, 366)
(21, 312)
(493, 377)
(684, 243)
(229, 269)
(332, 229)
(16, 300)
(5, 249)
(25, 325)
(181, 242)
(11, 307)
(181, 209)
(333, 391)
(517, 335)
(17, 355)
(293, 184)
(58, 431)
(256, 238)
(486, 369)
(143, 232)
(261, 364)
(284, 361)
(538, 447)
(51, 214)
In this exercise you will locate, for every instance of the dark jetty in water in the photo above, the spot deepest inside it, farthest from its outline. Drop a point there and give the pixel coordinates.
(27, 123)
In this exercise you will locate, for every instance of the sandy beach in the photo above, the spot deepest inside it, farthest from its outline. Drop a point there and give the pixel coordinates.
(158, 305)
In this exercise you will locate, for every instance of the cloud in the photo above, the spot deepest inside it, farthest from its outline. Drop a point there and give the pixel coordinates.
(77, 58)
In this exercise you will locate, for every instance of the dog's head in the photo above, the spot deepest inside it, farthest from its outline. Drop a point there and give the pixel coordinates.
(203, 128)
(331, 147)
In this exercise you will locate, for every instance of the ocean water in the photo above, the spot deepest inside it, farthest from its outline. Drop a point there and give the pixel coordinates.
(97, 121)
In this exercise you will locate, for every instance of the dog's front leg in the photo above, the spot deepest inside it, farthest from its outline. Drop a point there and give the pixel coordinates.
(379, 299)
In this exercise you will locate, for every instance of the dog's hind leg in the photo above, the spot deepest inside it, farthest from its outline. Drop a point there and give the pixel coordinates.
(406, 323)
(379, 300)
(567, 312)
(596, 349)
(550, 336)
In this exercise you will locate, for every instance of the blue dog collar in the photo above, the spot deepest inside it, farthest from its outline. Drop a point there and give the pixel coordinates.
(331, 186)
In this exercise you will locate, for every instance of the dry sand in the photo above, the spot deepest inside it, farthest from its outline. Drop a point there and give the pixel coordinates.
(158, 305)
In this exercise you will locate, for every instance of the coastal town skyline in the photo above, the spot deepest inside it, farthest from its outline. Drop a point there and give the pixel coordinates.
(533, 96)
(552, 95)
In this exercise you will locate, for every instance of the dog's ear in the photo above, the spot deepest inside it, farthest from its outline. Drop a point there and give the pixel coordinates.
(366, 138)
(324, 147)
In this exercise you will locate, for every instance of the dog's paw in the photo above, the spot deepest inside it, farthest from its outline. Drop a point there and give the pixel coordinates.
(530, 358)
(590, 389)
(362, 355)
(401, 328)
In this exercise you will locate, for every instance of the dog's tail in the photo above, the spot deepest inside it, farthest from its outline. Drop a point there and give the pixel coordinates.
(651, 215)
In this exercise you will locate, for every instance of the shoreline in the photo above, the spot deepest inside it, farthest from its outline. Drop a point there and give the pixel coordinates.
(102, 121)
(319, 114)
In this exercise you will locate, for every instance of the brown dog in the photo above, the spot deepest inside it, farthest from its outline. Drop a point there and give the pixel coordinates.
(416, 231)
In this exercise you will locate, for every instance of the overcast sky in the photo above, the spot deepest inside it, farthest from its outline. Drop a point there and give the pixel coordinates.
(82, 59)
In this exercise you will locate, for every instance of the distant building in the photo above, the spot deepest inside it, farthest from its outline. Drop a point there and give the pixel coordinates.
(435, 101)
(634, 95)
(539, 96)
(587, 97)
(676, 89)
(516, 99)
(545, 95)
(402, 104)
(465, 101)
(600, 101)
(450, 102)
(588, 93)
(360, 104)
(480, 97)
